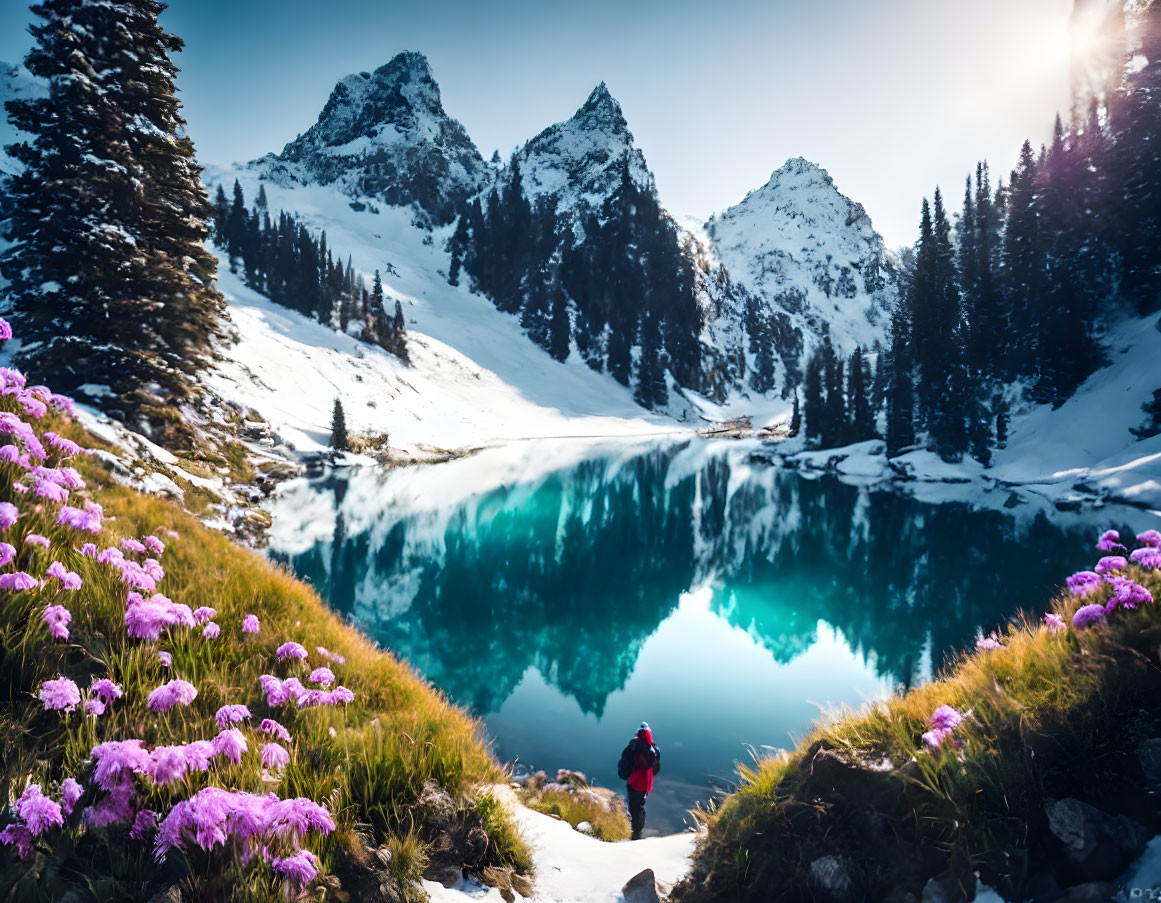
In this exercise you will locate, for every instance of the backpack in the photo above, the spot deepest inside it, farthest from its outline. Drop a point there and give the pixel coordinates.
(625, 765)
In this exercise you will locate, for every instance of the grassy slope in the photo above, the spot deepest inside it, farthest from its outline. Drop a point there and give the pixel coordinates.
(398, 736)
(1049, 717)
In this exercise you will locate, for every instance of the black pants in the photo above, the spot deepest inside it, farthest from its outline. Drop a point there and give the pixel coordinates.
(636, 811)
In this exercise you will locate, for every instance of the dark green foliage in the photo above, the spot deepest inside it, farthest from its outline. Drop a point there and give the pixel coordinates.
(1152, 424)
(625, 278)
(339, 439)
(282, 259)
(795, 418)
(110, 282)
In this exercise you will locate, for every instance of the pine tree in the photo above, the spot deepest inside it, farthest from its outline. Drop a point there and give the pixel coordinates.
(1152, 424)
(339, 439)
(221, 214)
(1023, 271)
(858, 380)
(559, 328)
(947, 394)
(110, 280)
(651, 389)
(900, 393)
(795, 418)
(813, 402)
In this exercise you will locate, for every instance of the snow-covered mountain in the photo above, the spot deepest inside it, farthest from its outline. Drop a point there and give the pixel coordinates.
(580, 160)
(801, 262)
(385, 135)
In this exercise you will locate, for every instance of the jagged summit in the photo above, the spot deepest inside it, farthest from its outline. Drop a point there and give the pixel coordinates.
(808, 251)
(583, 156)
(385, 134)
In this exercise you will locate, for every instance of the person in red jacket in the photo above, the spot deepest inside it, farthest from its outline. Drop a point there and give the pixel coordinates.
(640, 761)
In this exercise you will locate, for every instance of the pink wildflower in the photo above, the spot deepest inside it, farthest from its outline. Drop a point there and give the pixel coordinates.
(70, 792)
(113, 809)
(272, 727)
(19, 836)
(57, 618)
(155, 545)
(89, 550)
(106, 689)
(230, 743)
(1087, 615)
(50, 491)
(324, 676)
(18, 580)
(333, 657)
(1111, 563)
(250, 624)
(116, 760)
(274, 756)
(946, 717)
(299, 870)
(1151, 538)
(132, 545)
(38, 811)
(175, 692)
(1109, 540)
(95, 708)
(211, 631)
(985, 643)
(231, 714)
(7, 554)
(69, 579)
(143, 824)
(1147, 556)
(60, 695)
(1054, 622)
(35, 539)
(8, 515)
(166, 659)
(198, 754)
(1082, 583)
(167, 764)
(291, 650)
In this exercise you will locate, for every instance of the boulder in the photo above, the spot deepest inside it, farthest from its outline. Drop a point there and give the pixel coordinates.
(830, 877)
(1097, 844)
(641, 888)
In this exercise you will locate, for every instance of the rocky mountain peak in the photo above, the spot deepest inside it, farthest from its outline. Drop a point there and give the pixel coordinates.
(386, 135)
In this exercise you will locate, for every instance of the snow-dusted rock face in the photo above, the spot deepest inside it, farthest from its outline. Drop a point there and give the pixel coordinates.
(581, 160)
(385, 134)
(804, 250)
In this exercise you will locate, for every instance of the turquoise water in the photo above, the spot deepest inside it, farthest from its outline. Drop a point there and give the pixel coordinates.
(723, 599)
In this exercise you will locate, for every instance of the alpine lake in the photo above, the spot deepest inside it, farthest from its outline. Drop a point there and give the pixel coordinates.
(564, 592)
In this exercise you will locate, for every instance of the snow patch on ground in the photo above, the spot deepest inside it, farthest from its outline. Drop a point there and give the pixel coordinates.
(574, 868)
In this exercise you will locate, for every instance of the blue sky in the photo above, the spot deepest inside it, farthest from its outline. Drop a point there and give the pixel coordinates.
(891, 96)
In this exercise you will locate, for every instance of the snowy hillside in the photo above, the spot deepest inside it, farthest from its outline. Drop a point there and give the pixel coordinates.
(804, 249)
(385, 135)
(474, 377)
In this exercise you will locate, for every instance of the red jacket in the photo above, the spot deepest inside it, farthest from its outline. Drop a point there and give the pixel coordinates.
(647, 762)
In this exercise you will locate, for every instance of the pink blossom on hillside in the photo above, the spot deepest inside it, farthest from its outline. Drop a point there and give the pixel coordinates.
(68, 579)
(198, 754)
(1109, 540)
(116, 760)
(1054, 622)
(143, 824)
(89, 550)
(231, 714)
(211, 631)
(111, 555)
(5, 330)
(986, 643)
(8, 515)
(299, 870)
(18, 580)
(167, 764)
(1147, 557)
(274, 756)
(272, 727)
(166, 659)
(1111, 563)
(66, 447)
(87, 519)
(332, 657)
(115, 808)
(250, 624)
(50, 491)
(38, 811)
(57, 618)
(935, 737)
(7, 553)
(155, 545)
(1127, 594)
(1082, 583)
(168, 695)
(324, 676)
(230, 743)
(60, 694)
(95, 708)
(204, 613)
(291, 650)
(17, 835)
(946, 717)
(35, 539)
(70, 792)
(1087, 615)
(1151, 538)
(106, 689)
(132, 545)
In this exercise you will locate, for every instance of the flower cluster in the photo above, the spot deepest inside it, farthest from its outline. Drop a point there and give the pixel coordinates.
(145, 619)
(291, 650)
(175, 692)
(291, 690)
(944, 721)
(57, 618)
